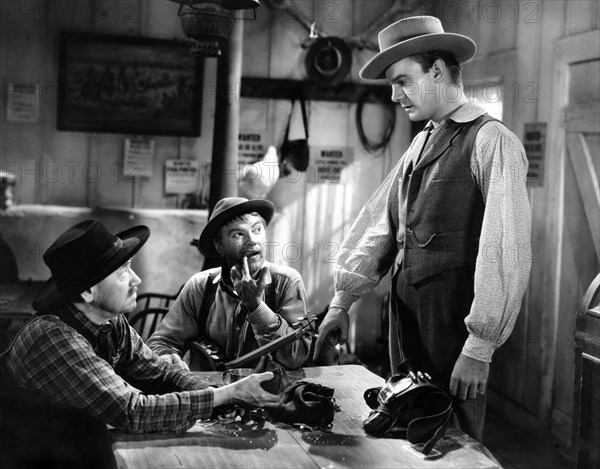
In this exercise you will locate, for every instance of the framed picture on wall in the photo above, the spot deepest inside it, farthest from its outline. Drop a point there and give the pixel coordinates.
(128, 85)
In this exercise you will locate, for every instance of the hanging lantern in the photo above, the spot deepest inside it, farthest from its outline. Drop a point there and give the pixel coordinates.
(206, 23)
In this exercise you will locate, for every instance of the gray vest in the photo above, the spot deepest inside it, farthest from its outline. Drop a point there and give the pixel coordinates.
(444, 205)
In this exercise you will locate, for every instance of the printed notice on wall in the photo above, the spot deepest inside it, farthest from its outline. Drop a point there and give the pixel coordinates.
(251, 147)
(22, 102)
(138, 160)
(181, 176)
(534, 143)
(327, 163)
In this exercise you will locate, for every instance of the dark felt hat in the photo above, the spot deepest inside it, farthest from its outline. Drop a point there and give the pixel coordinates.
(412, 36)
(84, 255)
(225, 210)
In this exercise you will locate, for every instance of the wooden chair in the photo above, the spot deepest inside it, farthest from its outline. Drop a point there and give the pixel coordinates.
(155, 300)
(145, 322)
(9, 271)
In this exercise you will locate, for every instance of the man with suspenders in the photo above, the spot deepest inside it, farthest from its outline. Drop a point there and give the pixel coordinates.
(242, 305)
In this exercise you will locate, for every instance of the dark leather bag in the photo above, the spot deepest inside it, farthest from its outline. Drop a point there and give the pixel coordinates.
(306, 403)
(295, 152)
(280, 379)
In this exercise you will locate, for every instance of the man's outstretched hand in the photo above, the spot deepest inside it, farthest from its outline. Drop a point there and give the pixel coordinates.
(334, 329)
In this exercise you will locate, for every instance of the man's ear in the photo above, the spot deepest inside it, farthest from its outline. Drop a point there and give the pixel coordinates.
(88, 295)
(218, 247)
(438, 69)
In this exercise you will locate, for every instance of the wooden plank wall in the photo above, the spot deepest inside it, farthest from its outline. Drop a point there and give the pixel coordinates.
(319, 214)
(77, 168)
(532, 374)
(577, 68)
(314, 216)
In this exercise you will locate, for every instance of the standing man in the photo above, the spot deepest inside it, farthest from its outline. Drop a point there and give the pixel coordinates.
(246, 303)
(80, 352)
(452, 219)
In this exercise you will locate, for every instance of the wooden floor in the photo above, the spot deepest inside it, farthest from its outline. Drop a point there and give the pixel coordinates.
(516, 449)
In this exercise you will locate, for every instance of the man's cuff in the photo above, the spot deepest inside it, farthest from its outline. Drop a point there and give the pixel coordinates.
(200, 384)
(161, 350)
(342, 300)
(202, 403)
(262, 317)
(479, 349)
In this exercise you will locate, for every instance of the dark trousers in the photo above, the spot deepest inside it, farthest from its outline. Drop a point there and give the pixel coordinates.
(432, 332)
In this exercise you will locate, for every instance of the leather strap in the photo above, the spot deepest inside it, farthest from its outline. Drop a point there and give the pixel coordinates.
(207, 300)
(304, 117)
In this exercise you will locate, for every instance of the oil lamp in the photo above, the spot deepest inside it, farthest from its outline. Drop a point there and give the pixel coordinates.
(206, 23)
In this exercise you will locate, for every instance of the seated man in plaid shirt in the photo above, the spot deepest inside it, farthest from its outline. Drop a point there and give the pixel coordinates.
(81, 353)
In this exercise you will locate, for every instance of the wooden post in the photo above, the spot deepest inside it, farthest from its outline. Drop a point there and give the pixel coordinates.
(227, 118)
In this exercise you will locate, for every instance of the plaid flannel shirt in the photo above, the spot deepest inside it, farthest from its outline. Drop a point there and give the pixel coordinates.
(64, 364)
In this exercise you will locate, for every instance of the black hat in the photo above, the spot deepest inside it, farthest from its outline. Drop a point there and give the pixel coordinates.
(225, 210)
(328, 61)
(84, 255)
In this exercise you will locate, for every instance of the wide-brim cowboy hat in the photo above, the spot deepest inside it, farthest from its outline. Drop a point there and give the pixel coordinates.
(83, 256)
(412, 36)
(225, 210)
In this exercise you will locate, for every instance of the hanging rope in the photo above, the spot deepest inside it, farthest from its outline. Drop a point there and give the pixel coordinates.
(294, 12)
(370, 145)
(395, 10)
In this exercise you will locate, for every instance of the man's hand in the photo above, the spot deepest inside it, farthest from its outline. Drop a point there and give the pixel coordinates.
(247, 390)
(334, 329)
(249, 290)
(469, 377)
(175, 359)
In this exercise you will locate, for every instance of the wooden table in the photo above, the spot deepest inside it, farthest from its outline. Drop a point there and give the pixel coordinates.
(277, 445)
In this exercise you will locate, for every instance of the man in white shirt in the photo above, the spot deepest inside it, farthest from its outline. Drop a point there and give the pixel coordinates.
(452, 220)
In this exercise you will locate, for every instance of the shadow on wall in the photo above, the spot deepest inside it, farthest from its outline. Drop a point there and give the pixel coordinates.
(165, 262)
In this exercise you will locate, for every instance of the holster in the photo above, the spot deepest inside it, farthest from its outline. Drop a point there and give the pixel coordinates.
(414, 408)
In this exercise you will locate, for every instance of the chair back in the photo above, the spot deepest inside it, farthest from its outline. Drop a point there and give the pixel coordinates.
(145, 322)
(9, 271)
(155, 300)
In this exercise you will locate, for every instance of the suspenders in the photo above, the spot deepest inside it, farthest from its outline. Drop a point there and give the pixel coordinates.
(209, 298)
